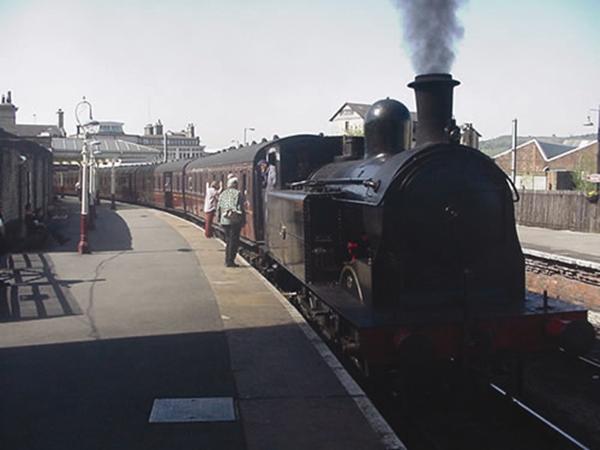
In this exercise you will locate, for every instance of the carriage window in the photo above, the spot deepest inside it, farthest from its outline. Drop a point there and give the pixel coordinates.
(191, 183)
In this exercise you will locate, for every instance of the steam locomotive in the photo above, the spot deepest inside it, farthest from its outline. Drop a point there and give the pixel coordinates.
(400, 252)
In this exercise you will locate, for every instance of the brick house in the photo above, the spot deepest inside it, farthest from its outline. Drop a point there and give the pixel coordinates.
(547, 166)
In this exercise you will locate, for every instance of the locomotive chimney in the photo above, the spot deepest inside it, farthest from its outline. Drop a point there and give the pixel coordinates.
(433, 93)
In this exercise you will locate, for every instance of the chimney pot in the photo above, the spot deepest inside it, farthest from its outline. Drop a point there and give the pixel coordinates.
(61, 119)
(434, 95)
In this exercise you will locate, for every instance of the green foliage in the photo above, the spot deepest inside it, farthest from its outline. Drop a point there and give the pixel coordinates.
(354, 132)
(581, 184)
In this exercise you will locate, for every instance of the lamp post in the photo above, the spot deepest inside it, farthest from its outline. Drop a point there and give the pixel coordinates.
(83, 246)
(95, 154)
(92, 184)
(589, 123)
(515, 142)
(245, 133)
(112, 185)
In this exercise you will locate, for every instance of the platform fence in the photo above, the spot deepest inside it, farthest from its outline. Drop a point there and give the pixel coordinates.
(559, 210)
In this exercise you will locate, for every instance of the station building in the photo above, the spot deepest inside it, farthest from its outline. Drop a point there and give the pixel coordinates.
(40, 133)
(548, 166)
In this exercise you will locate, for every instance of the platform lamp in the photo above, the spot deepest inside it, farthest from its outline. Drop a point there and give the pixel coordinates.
(245, 134)
(113, 206)
(93, 190)
(589, 123)
(88, 126)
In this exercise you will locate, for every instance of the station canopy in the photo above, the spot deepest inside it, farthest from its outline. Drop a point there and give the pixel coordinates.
(68, 151)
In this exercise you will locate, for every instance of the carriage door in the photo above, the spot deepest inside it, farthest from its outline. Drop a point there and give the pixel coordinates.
(168, 186)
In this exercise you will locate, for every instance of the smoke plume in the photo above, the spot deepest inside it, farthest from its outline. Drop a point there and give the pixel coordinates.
(431, 30)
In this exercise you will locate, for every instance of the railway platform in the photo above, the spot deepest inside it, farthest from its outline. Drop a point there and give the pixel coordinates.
(582, 248)
(151, 343)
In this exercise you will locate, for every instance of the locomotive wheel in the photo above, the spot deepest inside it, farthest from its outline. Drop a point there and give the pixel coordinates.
(349, 283)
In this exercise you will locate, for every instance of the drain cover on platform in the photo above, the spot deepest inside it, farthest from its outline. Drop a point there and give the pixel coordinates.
(207, 409)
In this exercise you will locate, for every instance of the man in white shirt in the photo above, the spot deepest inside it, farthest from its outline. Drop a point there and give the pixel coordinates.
(210, 207)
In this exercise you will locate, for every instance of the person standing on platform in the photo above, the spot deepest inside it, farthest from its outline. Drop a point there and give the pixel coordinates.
(210, 207)
(231, 217)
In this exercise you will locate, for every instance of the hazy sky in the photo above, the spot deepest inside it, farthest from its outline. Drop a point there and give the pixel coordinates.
(285, 67)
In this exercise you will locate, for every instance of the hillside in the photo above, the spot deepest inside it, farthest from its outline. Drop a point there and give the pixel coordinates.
(494, 146)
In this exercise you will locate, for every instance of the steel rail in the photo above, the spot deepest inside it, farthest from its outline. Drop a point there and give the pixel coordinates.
(539, 417)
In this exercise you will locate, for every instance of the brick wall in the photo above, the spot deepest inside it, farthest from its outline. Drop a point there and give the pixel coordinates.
(529, 160)
(585, 159)
(574, 284)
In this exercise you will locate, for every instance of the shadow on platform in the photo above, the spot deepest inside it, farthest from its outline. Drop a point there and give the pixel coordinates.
(110, 232)
(30, 291)
(99, 394)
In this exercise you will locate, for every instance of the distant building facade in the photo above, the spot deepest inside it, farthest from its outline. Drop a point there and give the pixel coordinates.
(180, 145)
(469, 136)
(547, 166)
(349, 119)
(41, 134)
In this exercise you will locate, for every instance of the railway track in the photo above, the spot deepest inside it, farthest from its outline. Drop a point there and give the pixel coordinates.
(571, 279)
(471, 416)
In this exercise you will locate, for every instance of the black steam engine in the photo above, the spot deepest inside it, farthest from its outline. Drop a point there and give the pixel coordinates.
(395, 251)
(406, 251)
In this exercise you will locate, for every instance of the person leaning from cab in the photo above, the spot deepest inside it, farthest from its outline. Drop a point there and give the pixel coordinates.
(231, 215)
